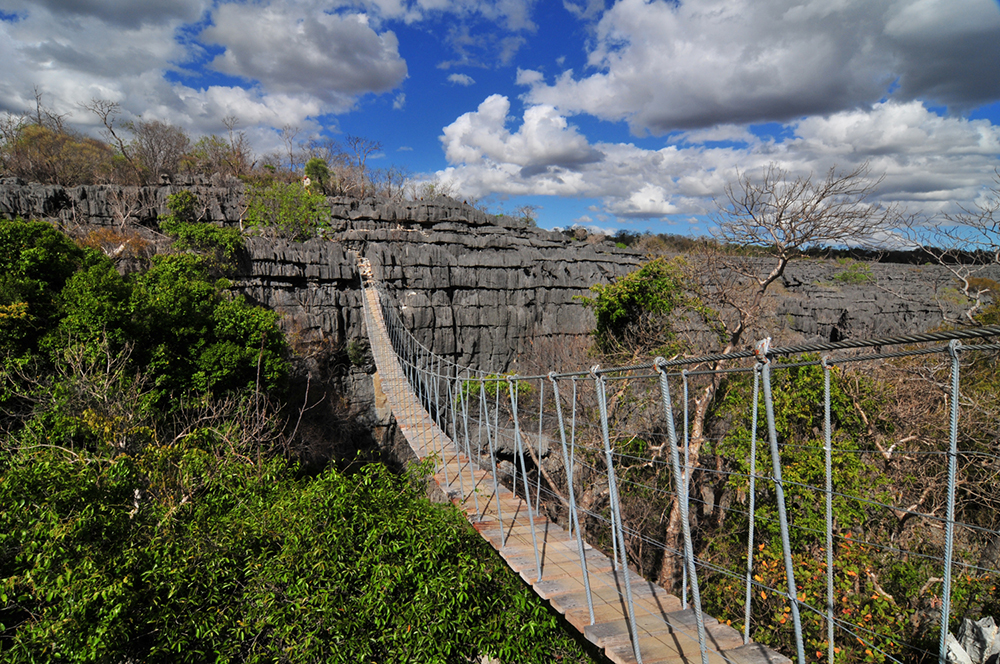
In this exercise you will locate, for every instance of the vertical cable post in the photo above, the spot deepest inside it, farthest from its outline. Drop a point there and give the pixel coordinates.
(779, 490)
(572, 439)
(573, 515)
(538, 482)
(668, 412)
(828, 458)
(602, 404)
(493, 461)
(687, 485)
(949, 533)
(436, 394)
(454, 440)
(463, 394)
(752, 490)
(511, 385)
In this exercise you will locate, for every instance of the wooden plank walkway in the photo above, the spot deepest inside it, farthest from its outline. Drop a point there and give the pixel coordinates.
(667, 632)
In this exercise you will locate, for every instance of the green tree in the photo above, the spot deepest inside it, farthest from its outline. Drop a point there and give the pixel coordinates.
(286, 209)
(36, 261)
(633, 313)
(318, 173)
(218, 243)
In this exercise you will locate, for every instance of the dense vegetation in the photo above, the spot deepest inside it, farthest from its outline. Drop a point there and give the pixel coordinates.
(41, 147)
(151, 510)
(889, 427)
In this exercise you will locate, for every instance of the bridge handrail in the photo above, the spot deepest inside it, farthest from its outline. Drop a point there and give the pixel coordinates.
(438, 380)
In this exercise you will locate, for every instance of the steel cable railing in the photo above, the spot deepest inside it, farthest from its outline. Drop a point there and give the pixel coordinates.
(596, 475)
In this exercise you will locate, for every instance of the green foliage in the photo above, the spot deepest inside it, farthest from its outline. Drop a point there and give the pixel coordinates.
(190, 234)
(288, 209)
(183, 205)
(202, 237)
(493, 383)
(190, 335)
(319, 174)
(798, 409)
(625, 310)
(36, 260)
(874, 587)
(178, 555)
(195, 337)
(358, 352)
(856, 273)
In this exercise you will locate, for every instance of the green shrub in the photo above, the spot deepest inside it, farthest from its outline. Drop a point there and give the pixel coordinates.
(358, 352)
(494, 383)
(632, 311)
(856, 273)
(180, 555)
(203, 237)
(287, 209)
(190, 234)
(36, 260)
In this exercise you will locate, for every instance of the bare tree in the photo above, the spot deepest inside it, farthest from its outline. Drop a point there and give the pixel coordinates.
(240, 158)
(288, 136)
(762, 224)
(108, 112)
(967, 245)
(47, 117)
(157, 146)
(390, 183)
(359, 150)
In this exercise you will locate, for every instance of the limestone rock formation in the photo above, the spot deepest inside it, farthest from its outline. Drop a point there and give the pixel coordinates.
(484, 290)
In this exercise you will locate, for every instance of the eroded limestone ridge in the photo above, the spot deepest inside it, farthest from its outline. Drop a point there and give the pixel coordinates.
(485, 290)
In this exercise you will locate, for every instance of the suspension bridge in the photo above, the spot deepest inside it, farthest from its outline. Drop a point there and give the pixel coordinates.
(515, 474)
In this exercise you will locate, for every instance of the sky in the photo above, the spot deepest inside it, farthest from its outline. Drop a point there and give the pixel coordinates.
(611, 115)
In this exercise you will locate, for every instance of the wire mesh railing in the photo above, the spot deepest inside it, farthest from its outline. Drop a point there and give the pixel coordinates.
(838, 502)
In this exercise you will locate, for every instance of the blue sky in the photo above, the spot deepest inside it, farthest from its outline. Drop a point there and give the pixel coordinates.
(631, 114)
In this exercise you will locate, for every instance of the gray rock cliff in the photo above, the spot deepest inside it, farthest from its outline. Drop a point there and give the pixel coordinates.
(486, 291)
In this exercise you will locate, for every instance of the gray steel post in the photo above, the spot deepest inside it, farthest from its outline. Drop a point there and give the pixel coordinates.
(752, 490)
(573, 515)
(668, 412)
(828, 459)
(779, 491)
(524, 472)
(949, 533)
(616, 507)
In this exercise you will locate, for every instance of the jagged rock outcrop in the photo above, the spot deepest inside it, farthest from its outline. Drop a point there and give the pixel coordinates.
(481, 289)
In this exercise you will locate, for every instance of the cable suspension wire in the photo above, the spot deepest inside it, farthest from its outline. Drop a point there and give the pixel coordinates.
(613, 453)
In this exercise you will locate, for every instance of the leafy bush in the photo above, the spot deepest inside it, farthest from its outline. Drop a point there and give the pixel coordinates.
(190, 234)
(287, 209)
(856, 273)
(494, 383)
(36, 260)
(177, 554)
(630, 312)
(190, 334)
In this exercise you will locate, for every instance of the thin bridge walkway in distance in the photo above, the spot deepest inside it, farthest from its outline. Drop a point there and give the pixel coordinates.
(592, 593)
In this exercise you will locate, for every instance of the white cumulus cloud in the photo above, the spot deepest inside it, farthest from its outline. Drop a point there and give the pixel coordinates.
(930, 162)
(663, 66)
(461, 79)
(331, 56)
(545, 139)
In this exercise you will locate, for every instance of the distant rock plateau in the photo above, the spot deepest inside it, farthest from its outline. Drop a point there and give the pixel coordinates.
(484, 290)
